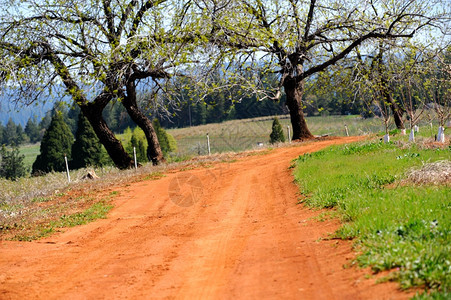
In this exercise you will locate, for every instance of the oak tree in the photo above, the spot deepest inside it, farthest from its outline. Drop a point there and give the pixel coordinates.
(299, 39)
(99, 51)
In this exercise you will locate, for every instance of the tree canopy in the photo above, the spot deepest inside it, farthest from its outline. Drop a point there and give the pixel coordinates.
(298, 39)
(105, 51)
(100, 51)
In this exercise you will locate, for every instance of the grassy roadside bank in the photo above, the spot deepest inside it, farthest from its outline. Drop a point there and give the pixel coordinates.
(400, 220)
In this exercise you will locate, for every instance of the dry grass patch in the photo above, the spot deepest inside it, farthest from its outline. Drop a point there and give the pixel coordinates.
(436, 173)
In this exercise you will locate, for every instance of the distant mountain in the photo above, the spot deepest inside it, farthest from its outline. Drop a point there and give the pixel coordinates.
(21, 114)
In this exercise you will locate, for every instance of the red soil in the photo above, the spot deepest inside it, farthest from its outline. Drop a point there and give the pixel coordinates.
(230, 231)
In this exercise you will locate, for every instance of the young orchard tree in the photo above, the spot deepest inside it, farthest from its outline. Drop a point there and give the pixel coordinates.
(298, 39)
(437, 83)
(100, 51)
(375, 71)
(410, 64)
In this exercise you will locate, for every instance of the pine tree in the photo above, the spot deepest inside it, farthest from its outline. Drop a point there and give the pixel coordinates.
(11, 163)
(56, 142)
(86, 150)
(277, 132)
(10, 134)
(45, 121)
(20, 135)
(167, 141)
(2, 130)
(32, 130)
(71, 118)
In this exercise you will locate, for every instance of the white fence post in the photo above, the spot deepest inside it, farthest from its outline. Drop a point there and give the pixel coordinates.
(412, 135)
(134, 156)
(67, 168)
(441, 134)
(289, 133)
(346, 129)
(386, 138)
(208, 144)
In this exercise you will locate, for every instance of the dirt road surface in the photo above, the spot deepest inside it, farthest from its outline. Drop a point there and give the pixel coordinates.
(228, 231)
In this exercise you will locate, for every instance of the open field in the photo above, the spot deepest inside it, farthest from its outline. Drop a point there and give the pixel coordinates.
(31, 151)
(241, 135)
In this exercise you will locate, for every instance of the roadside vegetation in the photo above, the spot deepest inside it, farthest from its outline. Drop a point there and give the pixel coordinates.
(394, 202)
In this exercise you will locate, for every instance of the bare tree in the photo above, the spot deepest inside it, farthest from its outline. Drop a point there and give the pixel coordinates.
(409, 67)
(437, 83)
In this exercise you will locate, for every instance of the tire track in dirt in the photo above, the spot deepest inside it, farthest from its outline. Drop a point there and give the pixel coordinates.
(243, 237)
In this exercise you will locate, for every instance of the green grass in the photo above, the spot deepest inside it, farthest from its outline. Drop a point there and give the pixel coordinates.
(31, 151)
(239, 135)
(98, 210)
(398, 227)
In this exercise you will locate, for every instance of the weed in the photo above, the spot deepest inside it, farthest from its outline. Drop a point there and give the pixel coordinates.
(96, 211)
(154, 176)
(41, 199)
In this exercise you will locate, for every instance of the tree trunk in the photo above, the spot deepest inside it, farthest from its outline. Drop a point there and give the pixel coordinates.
(396, 109)
(154, 153)
(112, 145)
(397, 115)
(294, 91)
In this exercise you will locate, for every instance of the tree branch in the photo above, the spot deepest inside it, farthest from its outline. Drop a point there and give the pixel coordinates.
(347, 50)
(139, 15)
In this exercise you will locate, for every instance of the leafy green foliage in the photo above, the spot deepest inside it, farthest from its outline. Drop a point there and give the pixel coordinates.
(12, 163)
(167, 141)
(402, 228)
(137, 142)
(86, 150)
(277, 132)
(56, 143)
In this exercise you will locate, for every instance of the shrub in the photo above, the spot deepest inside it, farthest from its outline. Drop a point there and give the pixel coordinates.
(277, 132)
(137, 142)
(167, 141)
(12, 165)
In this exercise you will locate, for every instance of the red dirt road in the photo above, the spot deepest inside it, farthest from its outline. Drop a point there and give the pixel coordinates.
(230, 231)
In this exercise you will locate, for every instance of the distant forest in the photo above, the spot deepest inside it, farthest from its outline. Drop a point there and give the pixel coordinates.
(183, 114)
